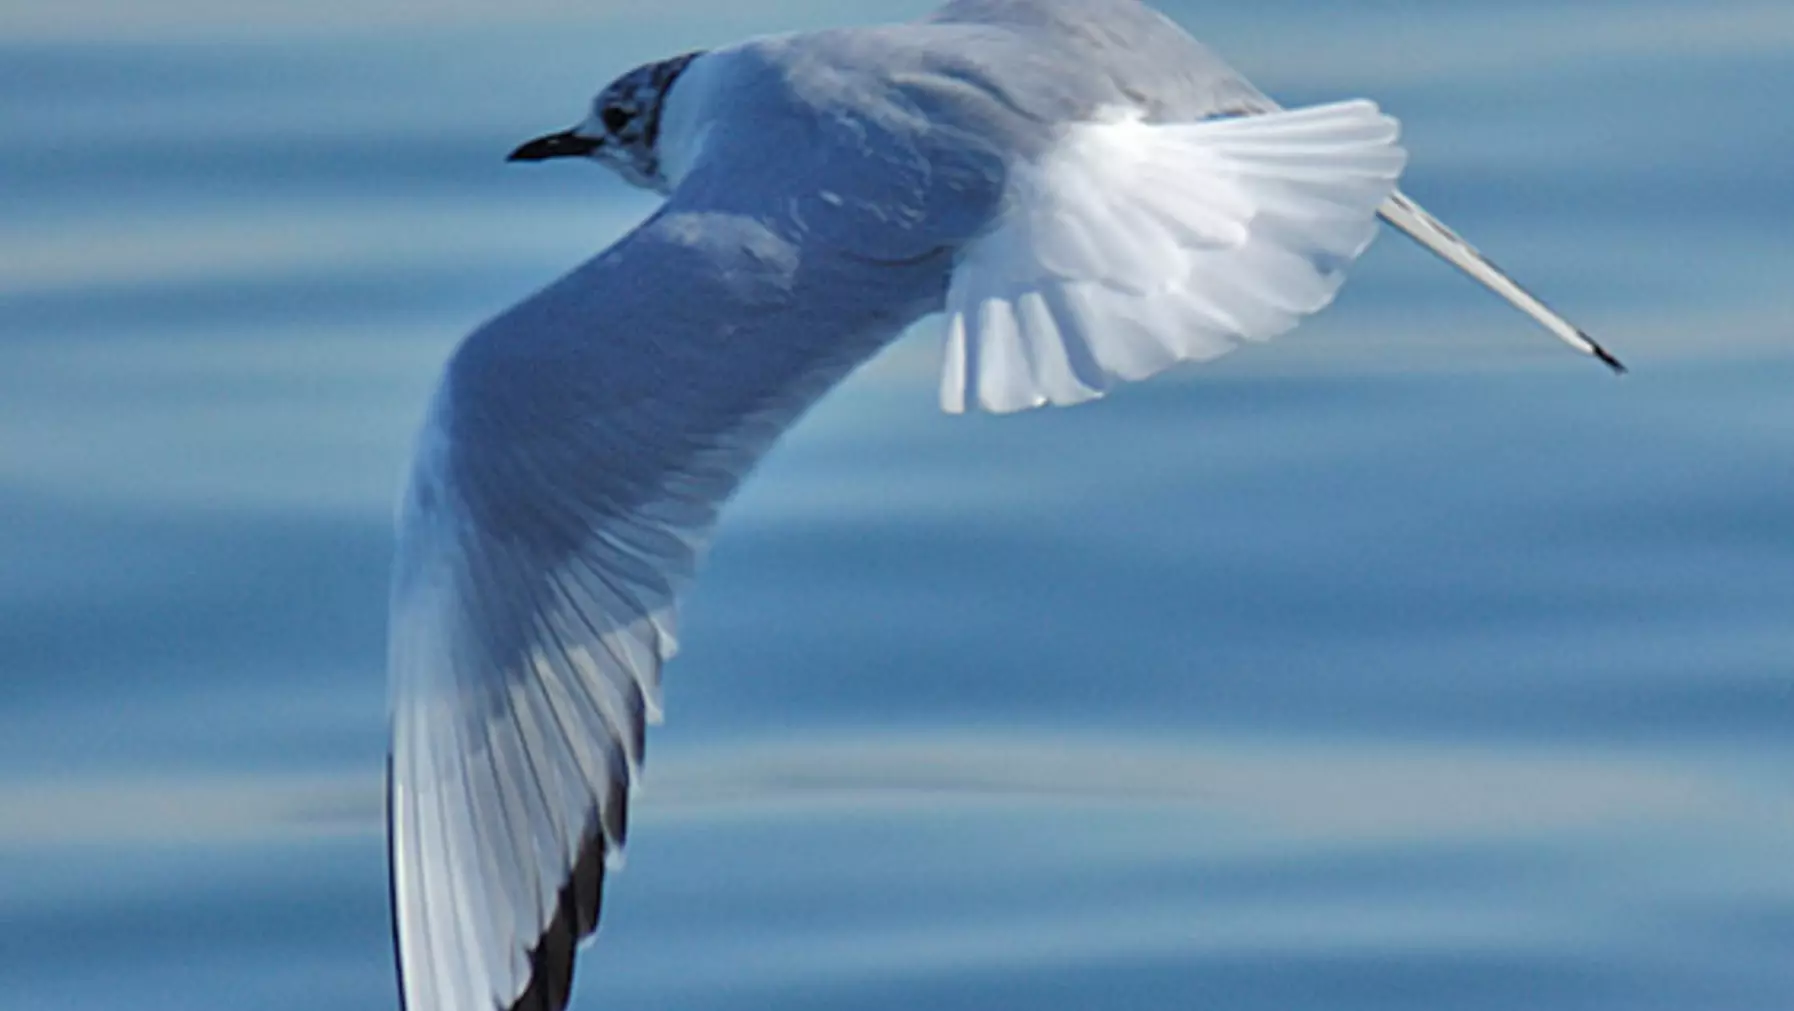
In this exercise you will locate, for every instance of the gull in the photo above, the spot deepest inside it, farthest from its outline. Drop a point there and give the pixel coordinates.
(1083, 193)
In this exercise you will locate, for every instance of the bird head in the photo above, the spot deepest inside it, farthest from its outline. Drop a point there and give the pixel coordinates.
(623, 130)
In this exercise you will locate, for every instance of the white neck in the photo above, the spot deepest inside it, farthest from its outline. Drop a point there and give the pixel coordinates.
(686, 116)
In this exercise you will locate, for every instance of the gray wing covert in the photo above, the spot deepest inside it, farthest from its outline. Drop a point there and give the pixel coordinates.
(1149, 59)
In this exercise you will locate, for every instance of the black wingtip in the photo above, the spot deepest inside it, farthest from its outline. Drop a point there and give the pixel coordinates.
(576, 917)
(1619, 368)
(1606, 357)
(392, 889)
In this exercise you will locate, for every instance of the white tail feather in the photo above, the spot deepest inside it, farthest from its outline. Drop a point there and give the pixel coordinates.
(1132, 246)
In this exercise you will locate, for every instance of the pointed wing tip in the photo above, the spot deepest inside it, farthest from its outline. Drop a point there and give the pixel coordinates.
(392, 891)
(1605, 356)
(551, 961)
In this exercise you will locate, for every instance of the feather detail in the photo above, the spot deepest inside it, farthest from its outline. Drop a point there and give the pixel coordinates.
(1131, 246)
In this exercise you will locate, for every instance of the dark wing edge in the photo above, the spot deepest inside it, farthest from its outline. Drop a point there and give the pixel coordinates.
(576, 918)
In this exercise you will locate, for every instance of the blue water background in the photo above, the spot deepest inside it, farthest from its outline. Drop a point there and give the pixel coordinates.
(1409, 662)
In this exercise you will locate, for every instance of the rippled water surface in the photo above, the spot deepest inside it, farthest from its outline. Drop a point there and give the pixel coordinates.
(1407, 663)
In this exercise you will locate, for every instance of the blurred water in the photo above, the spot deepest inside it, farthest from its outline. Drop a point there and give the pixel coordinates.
(1409, 662)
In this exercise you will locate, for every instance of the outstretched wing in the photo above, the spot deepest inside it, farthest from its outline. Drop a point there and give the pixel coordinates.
(571, 468)
(1402, 212)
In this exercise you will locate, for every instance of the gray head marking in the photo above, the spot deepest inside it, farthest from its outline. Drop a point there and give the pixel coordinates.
(623, 130)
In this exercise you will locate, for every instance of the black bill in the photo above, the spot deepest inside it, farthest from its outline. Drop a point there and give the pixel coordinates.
(565, 144)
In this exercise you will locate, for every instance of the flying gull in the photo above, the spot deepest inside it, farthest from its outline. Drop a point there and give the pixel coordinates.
(1084, 193)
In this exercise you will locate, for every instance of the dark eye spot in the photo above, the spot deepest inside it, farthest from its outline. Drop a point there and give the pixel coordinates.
(615, 119)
